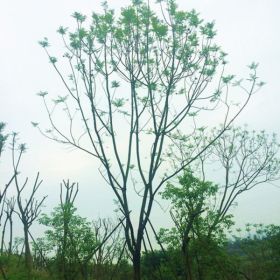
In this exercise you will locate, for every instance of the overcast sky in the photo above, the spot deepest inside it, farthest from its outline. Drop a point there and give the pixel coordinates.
(247, 29)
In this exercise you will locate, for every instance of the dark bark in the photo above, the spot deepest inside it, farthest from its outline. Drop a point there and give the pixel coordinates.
(137, 264)
(28, 256)
(199, 270)
(187, 262)
(3, 235)
(11, 235)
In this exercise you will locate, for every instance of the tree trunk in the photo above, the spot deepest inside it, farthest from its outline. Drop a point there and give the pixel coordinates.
(28, 256)
(11, 236)
(199, 270)
(85, 271)
(3, 236)
(188, 267)
(137, 264)
(186, 258)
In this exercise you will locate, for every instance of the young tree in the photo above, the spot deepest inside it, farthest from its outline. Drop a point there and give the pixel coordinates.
(77, 243)
(3, 192)
(135, 82)
(67, 231)
(28, 208)
(8, 210)
(191, 211)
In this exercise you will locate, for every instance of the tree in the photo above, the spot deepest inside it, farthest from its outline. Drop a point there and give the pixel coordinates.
(191, 212)
(240, 160)
(140, 78)
(9, 210)
(257, 247)
(69, 235)
(30, 208)
(77, 243)
(3, 192)
(201, 209)
(110, 251)
(246, 159)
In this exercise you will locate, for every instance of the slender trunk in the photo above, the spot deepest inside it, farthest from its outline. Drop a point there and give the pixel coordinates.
(66, 215)
(11, 235)
(28, 256)
(3, 235)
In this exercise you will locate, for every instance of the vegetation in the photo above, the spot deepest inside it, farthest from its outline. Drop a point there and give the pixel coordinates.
(161, 74)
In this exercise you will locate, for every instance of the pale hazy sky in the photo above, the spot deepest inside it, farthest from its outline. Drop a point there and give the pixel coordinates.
(247, 29)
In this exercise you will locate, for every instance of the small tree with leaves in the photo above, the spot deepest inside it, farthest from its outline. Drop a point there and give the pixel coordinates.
(191, 209)
(79, 246)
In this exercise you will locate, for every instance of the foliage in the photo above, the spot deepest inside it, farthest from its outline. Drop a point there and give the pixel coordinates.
(192, 210)
(257, 247)
(139, 76)
(71, 248)
(161, 265)
(147, 76)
